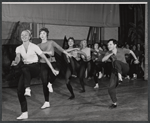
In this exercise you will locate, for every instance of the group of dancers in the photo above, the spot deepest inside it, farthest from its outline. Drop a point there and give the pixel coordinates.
(39, 60)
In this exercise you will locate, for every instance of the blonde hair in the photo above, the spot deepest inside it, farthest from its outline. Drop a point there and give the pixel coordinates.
(29, 32)
(81, 43)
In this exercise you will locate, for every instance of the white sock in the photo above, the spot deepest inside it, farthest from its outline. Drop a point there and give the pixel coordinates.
(50, 88)
(115, 103)
(100, 75)
(28, 89)
(120, 76)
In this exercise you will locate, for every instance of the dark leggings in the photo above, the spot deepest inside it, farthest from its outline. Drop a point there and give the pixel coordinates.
(118, 67)
(97, 68)
(89, 69)
(47, 76)
(107, 68)
(80, 68)
(28, 72)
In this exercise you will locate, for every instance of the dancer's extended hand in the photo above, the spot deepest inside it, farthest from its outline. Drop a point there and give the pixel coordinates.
(136, 61)
(55, 72)
(13, 63)
(68, 55)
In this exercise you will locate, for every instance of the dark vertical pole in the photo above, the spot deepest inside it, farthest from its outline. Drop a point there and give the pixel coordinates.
(100, 35)
(89, 34)
(34, 30)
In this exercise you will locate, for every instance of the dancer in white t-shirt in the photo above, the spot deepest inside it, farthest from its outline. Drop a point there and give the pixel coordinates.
(28, 52)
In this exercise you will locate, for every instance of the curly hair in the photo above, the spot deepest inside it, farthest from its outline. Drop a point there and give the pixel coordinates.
(45, 30)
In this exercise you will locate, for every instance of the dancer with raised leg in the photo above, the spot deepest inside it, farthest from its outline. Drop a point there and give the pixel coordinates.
(47, 75)
(31, 68)
(76, 65)
(97, 64)
(119, 67)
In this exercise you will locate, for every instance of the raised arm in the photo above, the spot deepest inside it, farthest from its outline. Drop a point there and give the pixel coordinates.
(127, 51)
(102, 52)
(106, 57)
(69, 50)
(57, 46)
(60, 48)
(92, 50)
(134, 56)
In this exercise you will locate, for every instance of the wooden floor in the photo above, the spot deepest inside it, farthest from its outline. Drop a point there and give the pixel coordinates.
(89, 106)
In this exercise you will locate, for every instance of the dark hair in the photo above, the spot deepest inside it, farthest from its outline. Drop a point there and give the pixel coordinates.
(45, 30)
(68, 41)
(113, 40)
(96, 43)
(104, 45)
(71, 38)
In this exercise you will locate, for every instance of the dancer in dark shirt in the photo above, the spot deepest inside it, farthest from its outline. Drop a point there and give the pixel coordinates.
(120, 67)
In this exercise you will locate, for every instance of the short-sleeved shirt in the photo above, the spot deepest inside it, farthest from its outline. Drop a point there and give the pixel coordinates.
(120, 55)
(49, 46)
(31, 55)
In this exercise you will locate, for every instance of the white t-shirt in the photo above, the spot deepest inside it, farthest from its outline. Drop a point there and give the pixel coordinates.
(31, 55)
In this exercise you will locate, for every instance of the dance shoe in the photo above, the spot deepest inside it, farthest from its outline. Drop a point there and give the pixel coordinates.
(23, 116)
(96, 86)
(82, 91)
(112, 106)
(45, 105)
(72, 97)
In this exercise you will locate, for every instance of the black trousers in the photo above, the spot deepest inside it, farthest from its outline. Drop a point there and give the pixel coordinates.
(29, 71)
(117, 67)
(107, 68)
(47, 76)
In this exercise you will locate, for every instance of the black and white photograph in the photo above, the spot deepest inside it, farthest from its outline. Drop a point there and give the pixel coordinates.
(74, 61)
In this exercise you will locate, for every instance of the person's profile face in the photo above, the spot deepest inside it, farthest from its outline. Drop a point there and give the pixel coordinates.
(43, 35)
(111, 46)
(70, 42)
(25, 36)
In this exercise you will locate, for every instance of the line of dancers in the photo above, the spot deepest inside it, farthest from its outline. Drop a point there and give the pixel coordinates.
(39, 60)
